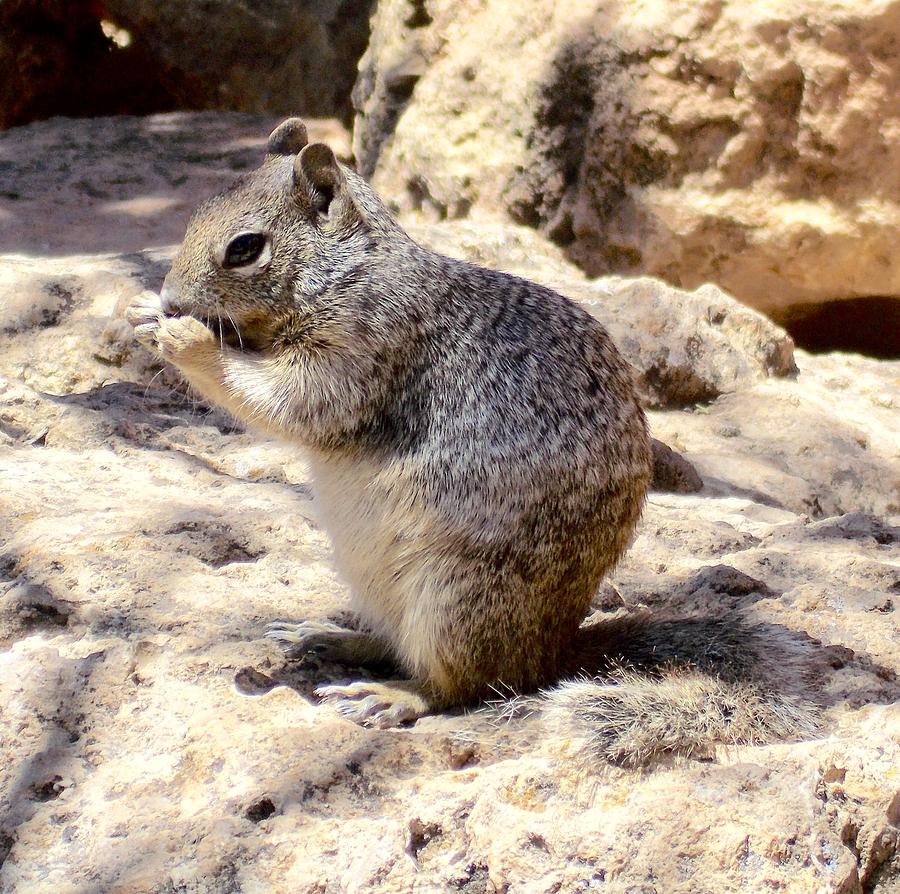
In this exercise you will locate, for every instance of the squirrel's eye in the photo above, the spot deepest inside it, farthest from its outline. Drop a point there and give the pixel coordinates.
(244, 249)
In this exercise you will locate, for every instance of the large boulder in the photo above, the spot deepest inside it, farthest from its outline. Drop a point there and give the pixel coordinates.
(89, 58)
(279, 57)
(754, 145)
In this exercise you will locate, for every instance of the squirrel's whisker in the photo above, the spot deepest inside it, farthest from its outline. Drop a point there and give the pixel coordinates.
(153, 378)
(236, 330)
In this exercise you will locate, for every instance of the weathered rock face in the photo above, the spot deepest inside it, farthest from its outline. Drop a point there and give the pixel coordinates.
(151, 739)
(56, 59)
(747, 144)
(280, 57)
(133, 57)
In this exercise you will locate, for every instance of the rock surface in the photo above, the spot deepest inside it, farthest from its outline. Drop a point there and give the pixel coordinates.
(280, 57)
(84, 57)
(753, 145)
(56, 59)
(67, 189)
(152, 740)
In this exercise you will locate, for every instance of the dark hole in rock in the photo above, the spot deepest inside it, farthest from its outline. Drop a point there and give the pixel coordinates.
(838, 656)
(37, 615)
(419, 18)
(8, 565)
(539, 842)
(213, 543)
(869, 326)
(91, 58)
(6, 843)
(462, 756)
(420, 835)
(260, 810)
(48, 790)
(63, 59)
(884, 607)
(475, 880)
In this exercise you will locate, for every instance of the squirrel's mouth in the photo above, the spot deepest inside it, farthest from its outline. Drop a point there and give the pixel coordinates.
(248, 335)
(225, 330)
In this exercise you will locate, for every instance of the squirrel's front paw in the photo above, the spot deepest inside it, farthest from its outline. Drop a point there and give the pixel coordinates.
(177, 338)
(145, 315)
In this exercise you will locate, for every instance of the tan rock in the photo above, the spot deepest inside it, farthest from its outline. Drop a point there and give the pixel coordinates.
(68, 189)
(152, 740)
(753, 145)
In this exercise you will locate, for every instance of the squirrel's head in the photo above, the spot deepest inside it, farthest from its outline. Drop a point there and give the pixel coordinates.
(275, 238)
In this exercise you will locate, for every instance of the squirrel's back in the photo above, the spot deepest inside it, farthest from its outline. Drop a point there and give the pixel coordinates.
(500, 480)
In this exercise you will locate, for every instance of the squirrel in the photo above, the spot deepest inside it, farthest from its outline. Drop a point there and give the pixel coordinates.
(478, 452)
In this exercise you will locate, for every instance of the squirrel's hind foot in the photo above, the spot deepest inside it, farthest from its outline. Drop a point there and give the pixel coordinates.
(328, 641)
(380, 705)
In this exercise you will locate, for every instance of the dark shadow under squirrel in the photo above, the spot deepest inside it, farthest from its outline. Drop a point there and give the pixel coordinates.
(478, 452)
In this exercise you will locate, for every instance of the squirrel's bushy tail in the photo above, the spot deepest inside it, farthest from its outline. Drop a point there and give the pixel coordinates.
(680, 686)
(631, 719)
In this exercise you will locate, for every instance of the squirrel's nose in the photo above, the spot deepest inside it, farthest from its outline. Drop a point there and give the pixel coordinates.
(169, 300)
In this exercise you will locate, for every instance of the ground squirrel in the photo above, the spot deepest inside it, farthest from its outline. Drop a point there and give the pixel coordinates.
(479, 455)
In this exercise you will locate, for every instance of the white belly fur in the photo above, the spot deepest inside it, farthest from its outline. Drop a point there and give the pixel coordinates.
(388, 549)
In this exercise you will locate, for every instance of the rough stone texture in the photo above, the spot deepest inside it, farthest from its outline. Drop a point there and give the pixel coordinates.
(672, 473)
(754, 145)
(151, 740)
(41, 45)
(87, 57)
(279, 57)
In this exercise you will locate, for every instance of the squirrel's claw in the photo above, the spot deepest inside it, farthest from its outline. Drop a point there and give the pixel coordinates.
(380, 705)
(327, 641)
(145, 309)
(178, 337)
(145, 315)
(145, 333)
(305, 638)
(172, 337)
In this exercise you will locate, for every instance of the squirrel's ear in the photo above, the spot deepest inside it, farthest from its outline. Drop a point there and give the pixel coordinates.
(288, 138)
(317, 168)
